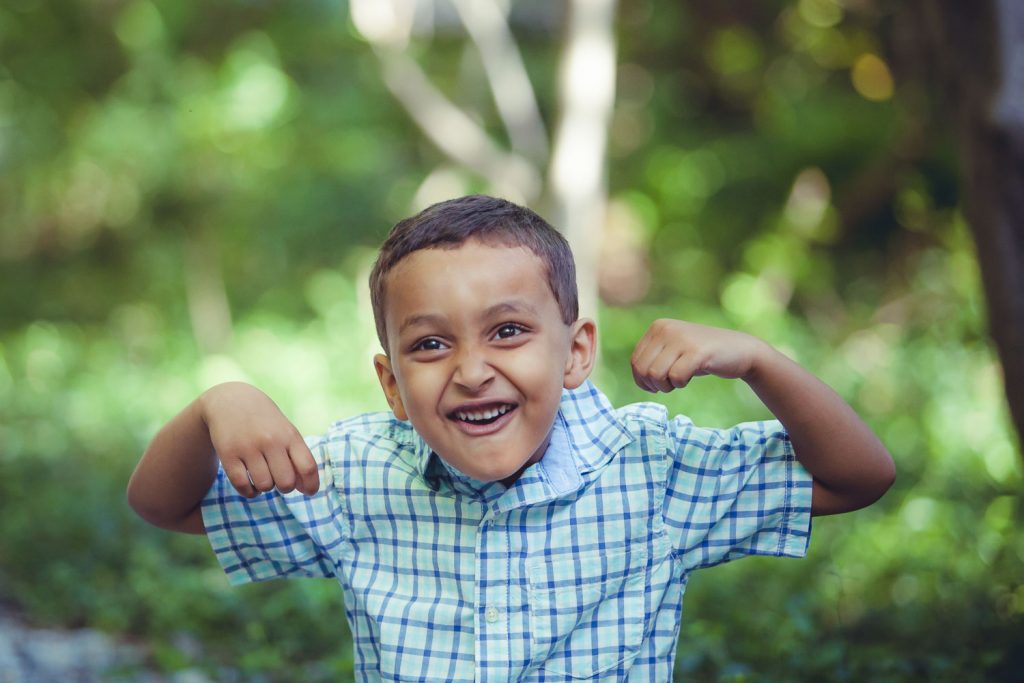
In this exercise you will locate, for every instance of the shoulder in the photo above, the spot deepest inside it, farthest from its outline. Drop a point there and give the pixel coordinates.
(645, 415)
(382, 424)
(599, 431)
(589, 405)
(589, 408)
(366, 434)
(368, 442)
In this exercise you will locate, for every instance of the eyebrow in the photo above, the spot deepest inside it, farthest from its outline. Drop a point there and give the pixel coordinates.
(420, 319)
(510, 306)
(501, 308)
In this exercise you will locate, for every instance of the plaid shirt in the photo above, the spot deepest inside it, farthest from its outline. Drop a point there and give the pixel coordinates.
(576, 571)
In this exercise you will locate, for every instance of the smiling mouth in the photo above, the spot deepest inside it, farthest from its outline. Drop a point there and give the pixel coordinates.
(482, 416)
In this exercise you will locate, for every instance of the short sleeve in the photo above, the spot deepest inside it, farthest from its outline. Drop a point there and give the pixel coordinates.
(274, 535)
(735, 492)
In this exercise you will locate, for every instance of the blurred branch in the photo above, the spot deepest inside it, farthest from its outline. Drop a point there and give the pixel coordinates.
(577, 174)
(513, 94)
(387, 25)
(453, 131)
(207, 295)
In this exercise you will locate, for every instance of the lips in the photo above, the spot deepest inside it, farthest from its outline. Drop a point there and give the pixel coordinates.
(483, 418)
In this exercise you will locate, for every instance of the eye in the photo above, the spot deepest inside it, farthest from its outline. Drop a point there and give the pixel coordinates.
(428, 344)
(508, 330)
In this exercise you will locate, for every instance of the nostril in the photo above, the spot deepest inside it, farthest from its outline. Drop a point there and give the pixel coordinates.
(473, 373)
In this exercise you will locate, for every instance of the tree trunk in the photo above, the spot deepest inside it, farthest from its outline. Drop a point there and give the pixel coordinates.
(577, 176)
(979, 48)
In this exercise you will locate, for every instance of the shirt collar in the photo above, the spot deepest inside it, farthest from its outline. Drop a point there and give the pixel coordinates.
(585, 436)
(555, 475)
(594, 432)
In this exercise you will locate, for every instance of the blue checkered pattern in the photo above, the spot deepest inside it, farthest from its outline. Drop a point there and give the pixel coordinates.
(576, 571)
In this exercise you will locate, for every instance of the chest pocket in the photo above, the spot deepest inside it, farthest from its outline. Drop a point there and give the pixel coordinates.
(590, 614)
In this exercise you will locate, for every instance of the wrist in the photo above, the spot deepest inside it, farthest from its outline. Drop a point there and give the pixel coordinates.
(207, 401)
(762, 355)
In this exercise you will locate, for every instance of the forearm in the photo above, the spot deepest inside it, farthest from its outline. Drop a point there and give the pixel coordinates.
(175, 473)
(850, 466)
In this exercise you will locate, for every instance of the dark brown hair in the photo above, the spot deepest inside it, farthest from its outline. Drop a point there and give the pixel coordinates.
(450, 224)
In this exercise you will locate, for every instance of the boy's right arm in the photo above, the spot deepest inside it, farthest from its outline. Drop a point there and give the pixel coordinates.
(259, 448)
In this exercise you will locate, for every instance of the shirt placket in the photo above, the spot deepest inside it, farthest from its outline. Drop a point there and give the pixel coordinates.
(493, 653)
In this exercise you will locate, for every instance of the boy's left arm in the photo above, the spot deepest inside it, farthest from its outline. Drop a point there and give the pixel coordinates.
(850, 466)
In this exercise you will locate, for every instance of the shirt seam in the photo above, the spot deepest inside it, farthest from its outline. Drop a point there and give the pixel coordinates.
(660, 427)
(787, 508)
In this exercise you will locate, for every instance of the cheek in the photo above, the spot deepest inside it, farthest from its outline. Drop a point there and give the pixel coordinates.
(550, 373)
(543, 383)
(420, 389)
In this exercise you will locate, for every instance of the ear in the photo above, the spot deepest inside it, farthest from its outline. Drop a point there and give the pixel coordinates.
(582, 352)
(389, 383)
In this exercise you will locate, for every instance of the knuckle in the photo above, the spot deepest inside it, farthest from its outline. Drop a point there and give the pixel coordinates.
(239, 478)
(263, 481)
(240, 483)
(266, 439)
(230, 453)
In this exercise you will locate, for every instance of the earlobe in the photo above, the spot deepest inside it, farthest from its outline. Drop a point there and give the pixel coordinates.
(582, 352)
(389, 384)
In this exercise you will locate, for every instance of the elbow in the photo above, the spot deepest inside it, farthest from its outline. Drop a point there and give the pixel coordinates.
(860, 489)
(145, 506)
(132, 496)
(886, 473)
(140, 503)
(880, 480)
(163, 514)
(890, 473)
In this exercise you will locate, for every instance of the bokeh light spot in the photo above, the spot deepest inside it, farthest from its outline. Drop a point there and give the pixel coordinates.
(872, 78)
(820, 13)
(139, 26)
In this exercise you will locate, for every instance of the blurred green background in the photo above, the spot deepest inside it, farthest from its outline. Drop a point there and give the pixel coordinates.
(193, 192)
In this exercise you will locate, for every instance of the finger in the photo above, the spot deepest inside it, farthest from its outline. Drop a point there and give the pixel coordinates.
(682, 371)
(641, 346)
(655, 366)
(649, 344)
(305, 467)
(659, 368)
(239, 478)
(280, 466)
(642, 366)
(640, 380)
(259, 473)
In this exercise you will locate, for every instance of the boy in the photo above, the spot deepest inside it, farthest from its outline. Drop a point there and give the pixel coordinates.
(503, 521)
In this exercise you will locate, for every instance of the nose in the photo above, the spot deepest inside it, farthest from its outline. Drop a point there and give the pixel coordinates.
(473, 372)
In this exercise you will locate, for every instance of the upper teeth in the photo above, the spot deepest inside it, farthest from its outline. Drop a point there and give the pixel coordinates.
(482, 414)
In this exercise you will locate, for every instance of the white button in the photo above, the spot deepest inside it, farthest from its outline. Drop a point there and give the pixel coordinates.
(491, 615)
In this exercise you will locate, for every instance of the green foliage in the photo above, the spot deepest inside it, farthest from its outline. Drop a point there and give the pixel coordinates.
(161, 156)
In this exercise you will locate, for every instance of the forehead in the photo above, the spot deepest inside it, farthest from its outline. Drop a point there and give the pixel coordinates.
(465, 278)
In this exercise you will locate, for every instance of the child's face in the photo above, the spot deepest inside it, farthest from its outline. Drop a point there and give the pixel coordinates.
(478, 355)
